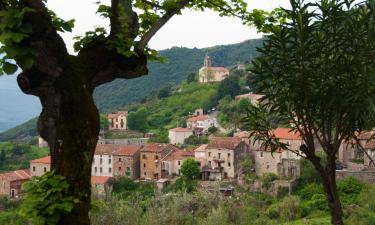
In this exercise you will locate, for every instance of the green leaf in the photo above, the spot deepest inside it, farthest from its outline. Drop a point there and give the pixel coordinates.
(9, 68)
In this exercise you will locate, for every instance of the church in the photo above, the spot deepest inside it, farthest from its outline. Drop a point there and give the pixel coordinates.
(208, 73)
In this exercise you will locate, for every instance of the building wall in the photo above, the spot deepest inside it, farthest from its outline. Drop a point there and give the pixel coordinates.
(204, 125)
(119, 123)
(265, 162)
(367, 162)
(223, 158)
(365, 176)
(126, 166)
(42, 143)
(179, 137)
(200, 156)
(102, 165)
(38, 169)
(173, 167)
(206, 76)
(150, 167)
(125, 141)
(6, 187)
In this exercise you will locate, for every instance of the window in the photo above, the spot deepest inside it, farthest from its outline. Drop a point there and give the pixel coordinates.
(144, 165)
(120, 159)
(156, 157)
(128, 168)
(96, 169)
(34, 168)
(228, 155)
(101, 161)
(261, 154)
(229, 164)
(179, 162)
(119, 168)
(144, 173)
(45, 169)
(209, 163)
(219, 155)
(109, 170)
(101, 170)
(268, 166)
(209, 154)
(144, 156)
(109, 161)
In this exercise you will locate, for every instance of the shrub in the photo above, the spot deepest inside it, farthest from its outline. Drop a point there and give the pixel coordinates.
(289, 208)
(267, 178)
(349, 189)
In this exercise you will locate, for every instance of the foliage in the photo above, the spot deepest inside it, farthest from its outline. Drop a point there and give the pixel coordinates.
(190, 169)
(104, 123)
(47, 199)
(17, 156)
(289, 208)
(192, 77)
(20, 132)
(267, 179)
(138, 120)
(212, 130)
(242, 105)
(180, 63)
(349, 190)
(196, 140)
(229, 86)
(126, 188)
(165, 92)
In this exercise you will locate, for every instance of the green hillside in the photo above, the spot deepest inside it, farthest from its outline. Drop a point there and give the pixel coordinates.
(180, 62)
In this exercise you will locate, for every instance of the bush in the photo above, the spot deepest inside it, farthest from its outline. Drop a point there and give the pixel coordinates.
(267, 178)
(349, 189)
(289, 208)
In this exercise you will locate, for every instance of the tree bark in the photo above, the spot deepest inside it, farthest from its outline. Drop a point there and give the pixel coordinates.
(69, 122)
(328, 175)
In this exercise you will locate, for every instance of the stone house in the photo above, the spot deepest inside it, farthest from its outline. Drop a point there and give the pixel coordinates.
(40, 166)
(118, 120)
(223, 157)
(370, 149)
(283, 163)
(200, 123)
(171, 165)
(152, 155)
(179, 134)
(351, 155)
(200, 155)
(42, 143)
(116, 160)
(209, 74)
(11, 183)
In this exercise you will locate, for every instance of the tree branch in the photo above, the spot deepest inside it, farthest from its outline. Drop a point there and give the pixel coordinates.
(160, 23)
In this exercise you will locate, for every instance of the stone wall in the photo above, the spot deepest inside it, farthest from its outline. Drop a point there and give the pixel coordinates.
(365, 176)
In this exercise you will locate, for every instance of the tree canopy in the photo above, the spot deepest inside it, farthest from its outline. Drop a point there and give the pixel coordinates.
(316, 70)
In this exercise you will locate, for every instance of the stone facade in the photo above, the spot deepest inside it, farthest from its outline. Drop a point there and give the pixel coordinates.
(171, 165)
(124, 141)
(118, 120)
(365, 176)
(40, 166)
(152, 156)
(42, 143)
(208, 73)
(178, 135)
(223, 157)
(11, 183)
(200, 123)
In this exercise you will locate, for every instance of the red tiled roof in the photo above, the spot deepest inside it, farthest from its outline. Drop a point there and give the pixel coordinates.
(197, 118)
(99, 179)
(129, 150)
(224, 142)
(366, 135)
(45, 160)
(287, 133)
(242, 134)
(113, 149)
(217, 69)
(16, 175)
(370, 145)
(181, 129)
(179, 154)
(158, 147)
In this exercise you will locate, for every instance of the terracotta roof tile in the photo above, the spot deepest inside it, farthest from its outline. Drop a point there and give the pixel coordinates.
(16, 175)
(287, 133)
(99, 179)
(179, 154)
(129, 150)
(181, 129)
(114, 149)
(370, 145)
(366, 135)
(45, 160)
(224, 142)
(198, 118)
(158, 147)
(116, 114)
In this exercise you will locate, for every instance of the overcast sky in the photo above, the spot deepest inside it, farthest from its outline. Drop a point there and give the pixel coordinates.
(191, 29)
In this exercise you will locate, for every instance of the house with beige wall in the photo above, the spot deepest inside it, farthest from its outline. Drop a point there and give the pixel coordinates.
(209, 74)
(178, 135)
(40, 166)
(118, 120)
(223, 157)
(152, 155)
(283, 163)
(11, 183)
(253, 98)
(171, 165)
(200, 123)
(370, 149)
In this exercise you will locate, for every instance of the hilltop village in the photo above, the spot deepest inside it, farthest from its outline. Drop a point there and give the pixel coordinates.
(202, 137)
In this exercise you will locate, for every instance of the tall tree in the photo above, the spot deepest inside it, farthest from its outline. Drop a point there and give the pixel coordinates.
(317, 71)
(65, 83)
